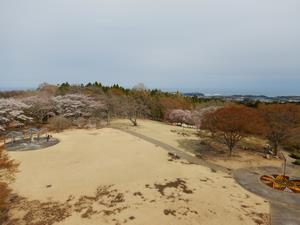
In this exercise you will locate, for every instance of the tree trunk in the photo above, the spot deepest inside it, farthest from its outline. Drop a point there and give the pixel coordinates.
(133, 121)
(275, 149)
(108, 118)
(230, 151)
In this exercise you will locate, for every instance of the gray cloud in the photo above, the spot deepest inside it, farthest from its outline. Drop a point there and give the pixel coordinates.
(221, 46)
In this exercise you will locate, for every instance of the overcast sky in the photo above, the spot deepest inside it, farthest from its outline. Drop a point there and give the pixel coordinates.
(211, 46)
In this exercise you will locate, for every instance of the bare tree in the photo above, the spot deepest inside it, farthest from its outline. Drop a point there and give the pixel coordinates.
(135, 108)
(47, 89)
(59, 123)
(232, 123)
(280, 119)
(112, 106)
(200, 111)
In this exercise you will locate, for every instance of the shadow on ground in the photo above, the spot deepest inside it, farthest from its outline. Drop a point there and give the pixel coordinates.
(200, 147)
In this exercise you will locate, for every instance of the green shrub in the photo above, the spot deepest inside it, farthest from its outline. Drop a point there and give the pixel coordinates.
(295, 155)
(297, 162)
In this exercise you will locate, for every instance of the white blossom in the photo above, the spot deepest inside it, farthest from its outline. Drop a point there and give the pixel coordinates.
(12, 110)
(75, 105)
(180, 116)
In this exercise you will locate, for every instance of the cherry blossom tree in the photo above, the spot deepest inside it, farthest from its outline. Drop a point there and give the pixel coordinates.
(12, 112)
(139, 87)
(181, 116)
(41, 107)
(76, 105)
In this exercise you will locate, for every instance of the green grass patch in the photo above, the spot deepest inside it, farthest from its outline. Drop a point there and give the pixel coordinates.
(297, 162)
(295, 155)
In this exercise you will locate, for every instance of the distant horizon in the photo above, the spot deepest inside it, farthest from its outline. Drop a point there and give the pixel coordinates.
(181, 90)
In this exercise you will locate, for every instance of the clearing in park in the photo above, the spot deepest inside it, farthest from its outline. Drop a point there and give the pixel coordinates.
(108, 176)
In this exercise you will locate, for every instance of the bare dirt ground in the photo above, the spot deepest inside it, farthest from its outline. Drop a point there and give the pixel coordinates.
(107, 176)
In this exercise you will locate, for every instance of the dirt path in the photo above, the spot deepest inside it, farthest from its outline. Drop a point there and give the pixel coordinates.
(183, 155)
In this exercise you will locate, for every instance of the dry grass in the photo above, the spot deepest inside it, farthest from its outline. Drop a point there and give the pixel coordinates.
(292, 143)
(8, 167)
(249, 152)
(110, 177)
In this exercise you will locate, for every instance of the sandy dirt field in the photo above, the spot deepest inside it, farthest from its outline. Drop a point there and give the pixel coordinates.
(107, 176)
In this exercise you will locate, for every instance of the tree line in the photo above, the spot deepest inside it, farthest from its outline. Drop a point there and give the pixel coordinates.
(274, 122)
(72, 102)
(67, 105)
